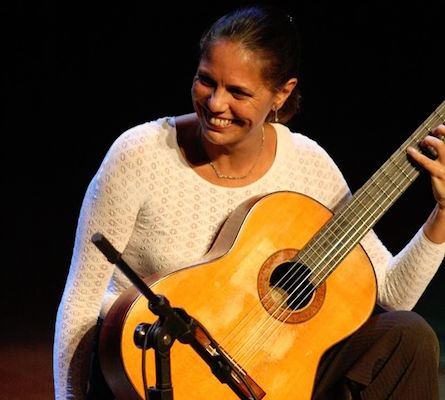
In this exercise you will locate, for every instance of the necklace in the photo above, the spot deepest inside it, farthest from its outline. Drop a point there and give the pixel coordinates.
(223, 176)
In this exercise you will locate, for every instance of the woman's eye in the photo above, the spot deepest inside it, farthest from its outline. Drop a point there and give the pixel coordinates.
(205, 80)
(239, 94)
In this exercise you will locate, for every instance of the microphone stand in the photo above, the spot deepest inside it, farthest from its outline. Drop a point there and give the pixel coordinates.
(175, 324)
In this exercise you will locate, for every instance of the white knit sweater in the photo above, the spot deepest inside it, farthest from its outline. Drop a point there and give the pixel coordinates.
(156, 210)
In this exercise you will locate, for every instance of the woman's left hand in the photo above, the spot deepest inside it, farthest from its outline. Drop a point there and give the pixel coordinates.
(436, 167)
(434, 227)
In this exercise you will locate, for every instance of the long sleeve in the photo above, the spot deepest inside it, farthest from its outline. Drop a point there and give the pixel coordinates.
(107, 208)
(409, 272)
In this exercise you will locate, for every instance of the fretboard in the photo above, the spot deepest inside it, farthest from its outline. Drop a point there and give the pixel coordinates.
(348, 226)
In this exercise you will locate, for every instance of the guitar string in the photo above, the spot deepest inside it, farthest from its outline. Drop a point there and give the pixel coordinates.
(365, 192)
(242, 325)
(368, 194)
(251, 315)
(269, 328)
(286, 300)
(236, 336)
(398, 169)
(276, 322)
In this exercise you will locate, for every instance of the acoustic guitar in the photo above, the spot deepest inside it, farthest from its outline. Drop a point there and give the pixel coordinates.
(284, 281)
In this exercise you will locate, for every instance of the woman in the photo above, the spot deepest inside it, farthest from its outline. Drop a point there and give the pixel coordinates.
(165, 187)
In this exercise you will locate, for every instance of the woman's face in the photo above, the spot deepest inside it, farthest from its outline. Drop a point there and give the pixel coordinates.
(229, 93)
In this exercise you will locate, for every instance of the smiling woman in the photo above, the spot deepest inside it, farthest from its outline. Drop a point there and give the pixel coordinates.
(234, 92)
(232, 102)
(172, 191)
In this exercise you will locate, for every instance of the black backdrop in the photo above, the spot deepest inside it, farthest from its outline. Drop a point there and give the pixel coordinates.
(75, 76)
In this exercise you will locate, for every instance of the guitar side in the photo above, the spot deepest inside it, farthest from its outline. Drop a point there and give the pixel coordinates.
(224, 293)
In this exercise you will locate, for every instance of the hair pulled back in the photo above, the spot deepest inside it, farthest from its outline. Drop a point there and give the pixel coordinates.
(273, 36)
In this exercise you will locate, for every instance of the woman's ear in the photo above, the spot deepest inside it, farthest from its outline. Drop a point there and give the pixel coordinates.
(285, 91)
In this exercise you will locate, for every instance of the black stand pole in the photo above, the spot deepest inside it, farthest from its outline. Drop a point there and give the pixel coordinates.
(161, 335)
(172, 324)
(156, 337)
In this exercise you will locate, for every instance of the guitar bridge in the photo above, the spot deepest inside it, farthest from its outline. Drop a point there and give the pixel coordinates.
(223, 368)
(212, 351)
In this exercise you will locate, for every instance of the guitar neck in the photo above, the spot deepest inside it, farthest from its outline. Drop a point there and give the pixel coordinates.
(347, 227)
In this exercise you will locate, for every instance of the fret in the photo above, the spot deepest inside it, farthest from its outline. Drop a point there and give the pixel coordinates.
(427, 128)
(313, 253)
(353, 208)
(356, 213)
(309, 257)
(366, 207)
(369, 206)
(335, 238)
(346, 225)
(337, 229)
(382, 190)
(323, 245)
(318, 250)
(441, 116)
(402, 170)
(394, 182)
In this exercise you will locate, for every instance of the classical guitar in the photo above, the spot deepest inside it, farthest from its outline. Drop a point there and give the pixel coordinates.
(284, 281)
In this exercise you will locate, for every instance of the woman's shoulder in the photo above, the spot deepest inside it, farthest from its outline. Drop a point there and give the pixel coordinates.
(147, 130)
(140, 140)
(295, 140)
(148, 134)
(158, 128)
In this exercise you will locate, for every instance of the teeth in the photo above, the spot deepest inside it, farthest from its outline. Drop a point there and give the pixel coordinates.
(219, 122)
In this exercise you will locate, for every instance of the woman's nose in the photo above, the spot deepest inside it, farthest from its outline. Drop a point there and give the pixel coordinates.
(217, 101)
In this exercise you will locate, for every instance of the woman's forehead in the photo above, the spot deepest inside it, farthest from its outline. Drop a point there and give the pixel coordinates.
(232, 58)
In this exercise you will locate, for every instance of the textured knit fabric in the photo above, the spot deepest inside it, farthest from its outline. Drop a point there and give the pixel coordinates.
(156, 210)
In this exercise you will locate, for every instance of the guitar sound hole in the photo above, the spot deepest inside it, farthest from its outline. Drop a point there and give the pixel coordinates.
(290, 285)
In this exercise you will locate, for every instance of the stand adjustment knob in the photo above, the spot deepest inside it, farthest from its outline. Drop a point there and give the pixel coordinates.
(140, 334)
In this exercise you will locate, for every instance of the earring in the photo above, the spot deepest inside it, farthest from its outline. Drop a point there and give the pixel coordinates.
(275, 109)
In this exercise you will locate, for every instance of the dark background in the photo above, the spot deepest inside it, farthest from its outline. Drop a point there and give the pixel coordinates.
(76, 76)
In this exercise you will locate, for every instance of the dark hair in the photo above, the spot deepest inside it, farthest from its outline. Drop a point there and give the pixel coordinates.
(271, 33)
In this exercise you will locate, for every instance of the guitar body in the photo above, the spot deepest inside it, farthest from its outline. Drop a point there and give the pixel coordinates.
(229, 293)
